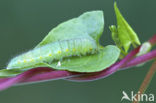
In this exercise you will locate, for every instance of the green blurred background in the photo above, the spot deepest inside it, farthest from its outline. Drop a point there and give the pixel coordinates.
(23, 24)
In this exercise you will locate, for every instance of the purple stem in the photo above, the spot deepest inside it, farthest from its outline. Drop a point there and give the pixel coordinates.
(49, 76)
(12, 81)
(3, 80)
(42, 74)
(7, 82)
(141, 59)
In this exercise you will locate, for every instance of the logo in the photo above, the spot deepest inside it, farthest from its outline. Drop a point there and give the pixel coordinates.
(137, 97)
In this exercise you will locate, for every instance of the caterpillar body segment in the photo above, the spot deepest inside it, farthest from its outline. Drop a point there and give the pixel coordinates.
(54, 51)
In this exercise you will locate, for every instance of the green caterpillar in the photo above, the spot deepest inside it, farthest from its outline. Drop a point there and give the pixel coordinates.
(54, 51)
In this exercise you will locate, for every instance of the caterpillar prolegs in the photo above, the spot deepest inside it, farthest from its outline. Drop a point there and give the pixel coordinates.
(54, 51)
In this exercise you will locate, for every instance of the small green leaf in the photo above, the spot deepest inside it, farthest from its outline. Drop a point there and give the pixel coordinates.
(115, 36)
(9, 73)
(92, 63)
(116, 39)
(87, 24)
(126, 34)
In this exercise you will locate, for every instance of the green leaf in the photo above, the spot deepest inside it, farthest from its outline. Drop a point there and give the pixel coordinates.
(126, 34)
(92, 63)
(9, 73)
(88, 24)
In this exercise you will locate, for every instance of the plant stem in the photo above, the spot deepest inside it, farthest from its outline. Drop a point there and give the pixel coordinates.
(141, 59)
(147, 80)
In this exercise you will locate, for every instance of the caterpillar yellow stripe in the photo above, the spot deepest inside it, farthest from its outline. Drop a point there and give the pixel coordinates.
(54, 51)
